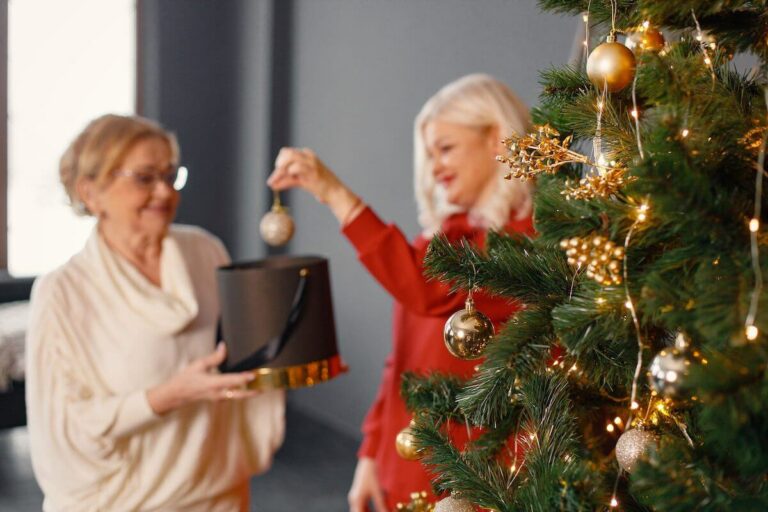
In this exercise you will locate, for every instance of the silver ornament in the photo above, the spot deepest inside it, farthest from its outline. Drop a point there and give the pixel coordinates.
(669, 369)
(467, 332)
(632, 445)
(451, 504)
(276, 226)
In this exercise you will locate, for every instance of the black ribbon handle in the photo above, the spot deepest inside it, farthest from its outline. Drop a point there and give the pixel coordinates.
(272, 349)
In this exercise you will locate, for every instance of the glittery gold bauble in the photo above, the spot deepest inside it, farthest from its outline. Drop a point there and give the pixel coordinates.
(645, 39)
(276, 226)
(419, 503)
(451, 504)
(631, 446)
(669, 369)
(467, 332)
(405, 443)
(611, 65)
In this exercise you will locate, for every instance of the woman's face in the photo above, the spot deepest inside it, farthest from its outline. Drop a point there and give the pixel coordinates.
(139, 200)
(463, 160)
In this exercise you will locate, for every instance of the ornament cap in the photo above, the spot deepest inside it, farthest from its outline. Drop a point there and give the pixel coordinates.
(682, 341)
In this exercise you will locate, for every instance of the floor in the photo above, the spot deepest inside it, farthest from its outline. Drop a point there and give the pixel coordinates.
(311, 472)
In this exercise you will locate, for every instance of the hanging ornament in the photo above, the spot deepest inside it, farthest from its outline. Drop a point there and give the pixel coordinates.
(669, 369)
(601, 257)
(645, 38)
(632, 445)
(542, 151)
(276, 226)
(405, 443)
(418, 503)
(611, 65)
(454, 504)
(467, 332)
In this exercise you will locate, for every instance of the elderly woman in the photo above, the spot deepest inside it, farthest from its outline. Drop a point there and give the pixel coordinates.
(460, 191)
(126, 408)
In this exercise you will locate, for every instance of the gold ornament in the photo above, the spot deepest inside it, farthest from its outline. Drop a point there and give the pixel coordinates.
(645, 38)
(405, 443)
(418, 503)
(467, 332)
(631, 446)
(611, 65)
(542, 151)
(601, 257)
(276, 226)
(604, 184)
(669, 369)
(454, 504)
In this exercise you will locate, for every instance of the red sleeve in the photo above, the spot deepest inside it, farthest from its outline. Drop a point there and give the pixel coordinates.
(397, 265)
(373, 420)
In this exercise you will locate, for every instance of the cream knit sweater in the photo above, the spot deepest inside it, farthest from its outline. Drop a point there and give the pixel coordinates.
(100, 335)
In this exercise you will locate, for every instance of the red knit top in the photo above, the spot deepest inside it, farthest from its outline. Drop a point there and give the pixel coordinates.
(420, 311)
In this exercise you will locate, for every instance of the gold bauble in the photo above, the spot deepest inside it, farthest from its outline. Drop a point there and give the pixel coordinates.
(467, 332)
(276, 226)
(611, 65)
(645, 39)
(631, 446)
(452, 504)
(405, 443)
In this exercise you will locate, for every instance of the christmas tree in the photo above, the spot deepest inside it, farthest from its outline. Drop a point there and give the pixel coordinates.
(635, 376)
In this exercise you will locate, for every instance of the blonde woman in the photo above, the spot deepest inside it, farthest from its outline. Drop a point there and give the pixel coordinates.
(461, 192)
(126, 409)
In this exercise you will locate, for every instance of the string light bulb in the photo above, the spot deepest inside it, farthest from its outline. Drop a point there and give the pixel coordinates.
(685, 132)
(752, 332)
(754, 225)
(614, 502)
(609, 427)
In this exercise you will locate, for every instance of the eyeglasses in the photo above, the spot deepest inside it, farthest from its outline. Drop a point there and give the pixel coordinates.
(147, 178)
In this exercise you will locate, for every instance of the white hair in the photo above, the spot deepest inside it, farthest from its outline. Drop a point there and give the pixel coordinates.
(478, 101)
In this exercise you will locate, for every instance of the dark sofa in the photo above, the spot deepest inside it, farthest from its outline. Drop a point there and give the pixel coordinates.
(12, 409)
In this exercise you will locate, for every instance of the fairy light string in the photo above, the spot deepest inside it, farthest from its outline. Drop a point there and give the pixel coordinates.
(585, 17)
(704, 48)
(750, 329)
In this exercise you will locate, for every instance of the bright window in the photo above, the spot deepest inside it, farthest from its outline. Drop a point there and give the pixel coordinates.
(68, 62)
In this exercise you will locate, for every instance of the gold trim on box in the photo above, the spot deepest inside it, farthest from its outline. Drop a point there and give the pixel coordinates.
(300, 376)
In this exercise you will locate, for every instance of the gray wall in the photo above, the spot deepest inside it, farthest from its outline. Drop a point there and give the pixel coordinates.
(239, 78)
(361, 71)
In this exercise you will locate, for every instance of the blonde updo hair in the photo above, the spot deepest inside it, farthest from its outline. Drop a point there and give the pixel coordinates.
(101, 147)
(478, 101)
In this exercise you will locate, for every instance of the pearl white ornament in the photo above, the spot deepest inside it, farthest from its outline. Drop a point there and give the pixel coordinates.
(276, 226)
(632, 445)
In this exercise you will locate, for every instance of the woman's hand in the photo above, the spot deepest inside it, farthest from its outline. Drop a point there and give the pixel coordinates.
(301, 168)
(365, 488)
(199, 381)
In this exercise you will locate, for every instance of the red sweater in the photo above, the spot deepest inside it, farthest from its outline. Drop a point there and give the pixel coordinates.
(420, 311)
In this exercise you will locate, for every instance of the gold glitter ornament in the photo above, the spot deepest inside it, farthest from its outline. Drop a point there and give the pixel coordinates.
(611, 65)
(276, 227)
(632, 445)
(405, 443)
(418, 503)
(467, 332)
(645, 38)
(599, 256)
(454, 504)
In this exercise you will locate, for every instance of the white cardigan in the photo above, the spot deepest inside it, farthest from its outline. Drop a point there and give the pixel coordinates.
(100, 335)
